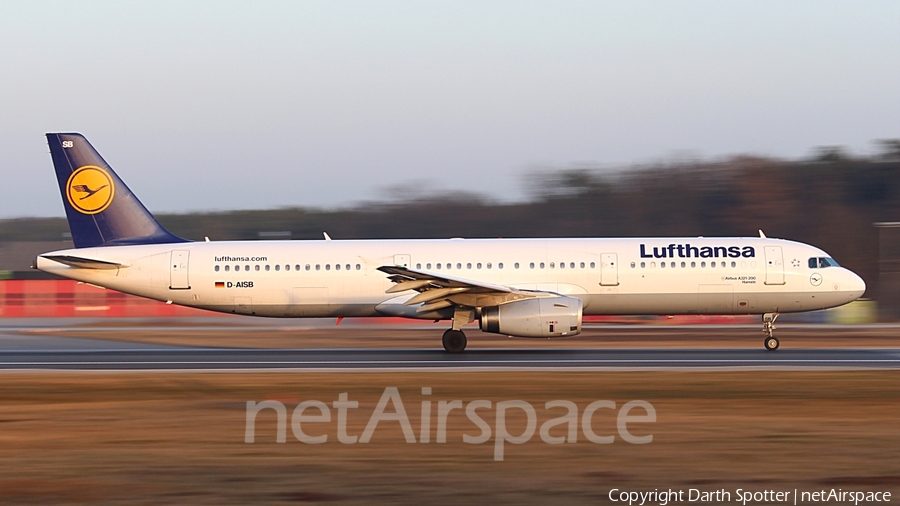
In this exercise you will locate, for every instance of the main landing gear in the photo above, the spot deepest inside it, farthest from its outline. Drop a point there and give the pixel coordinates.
(771, 341)
(454, 341)
(454, 338)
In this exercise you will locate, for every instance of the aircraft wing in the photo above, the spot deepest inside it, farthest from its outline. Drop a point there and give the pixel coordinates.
(437, 291)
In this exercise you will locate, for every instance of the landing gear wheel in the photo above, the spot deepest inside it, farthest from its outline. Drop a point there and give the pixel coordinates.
(771, 343)
(454, 341)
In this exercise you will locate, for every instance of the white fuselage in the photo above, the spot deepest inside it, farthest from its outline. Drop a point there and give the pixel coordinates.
(339, 278)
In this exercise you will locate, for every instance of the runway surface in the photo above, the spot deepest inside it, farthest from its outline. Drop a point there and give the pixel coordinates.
(219, 359)
(27, 351)
(174, 358)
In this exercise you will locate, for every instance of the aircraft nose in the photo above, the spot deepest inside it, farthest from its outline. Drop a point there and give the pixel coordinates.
(855, 285)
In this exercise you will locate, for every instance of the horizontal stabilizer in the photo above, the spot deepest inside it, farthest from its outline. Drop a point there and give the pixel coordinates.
(84, 263)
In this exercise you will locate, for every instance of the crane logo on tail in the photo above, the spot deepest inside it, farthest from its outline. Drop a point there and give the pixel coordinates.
(90, 189)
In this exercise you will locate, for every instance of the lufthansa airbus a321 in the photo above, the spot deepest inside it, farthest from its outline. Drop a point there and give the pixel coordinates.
(519, 287)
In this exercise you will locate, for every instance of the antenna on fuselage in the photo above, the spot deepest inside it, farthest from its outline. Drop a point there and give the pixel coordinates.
(762, 235)
(327, 237)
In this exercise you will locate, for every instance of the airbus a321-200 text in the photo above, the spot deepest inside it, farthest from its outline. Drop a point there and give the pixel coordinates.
(538, 288)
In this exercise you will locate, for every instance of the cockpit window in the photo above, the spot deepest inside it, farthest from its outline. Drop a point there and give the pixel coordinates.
(822, 262)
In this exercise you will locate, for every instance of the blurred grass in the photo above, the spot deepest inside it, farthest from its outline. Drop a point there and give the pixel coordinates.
(178, 438)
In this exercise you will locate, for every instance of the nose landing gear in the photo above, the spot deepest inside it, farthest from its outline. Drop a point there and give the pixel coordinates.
(771, 342)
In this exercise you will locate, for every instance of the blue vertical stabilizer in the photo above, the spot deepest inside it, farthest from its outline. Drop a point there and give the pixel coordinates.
(101, 210)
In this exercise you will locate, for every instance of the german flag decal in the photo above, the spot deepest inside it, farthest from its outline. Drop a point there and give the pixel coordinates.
(220, 284)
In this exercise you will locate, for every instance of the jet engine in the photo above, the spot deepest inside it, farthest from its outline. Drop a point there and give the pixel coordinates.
(541, 317)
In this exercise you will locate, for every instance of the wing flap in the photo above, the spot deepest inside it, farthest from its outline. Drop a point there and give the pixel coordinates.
(434, 294)
(404, 274)
(438, 291)
(434, 306)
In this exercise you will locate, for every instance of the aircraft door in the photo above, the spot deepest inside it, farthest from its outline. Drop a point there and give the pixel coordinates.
(178, 270)
(609, 269)
(402, 260)
(774, 266)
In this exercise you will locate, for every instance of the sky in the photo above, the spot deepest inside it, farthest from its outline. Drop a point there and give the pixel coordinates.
(218, 105)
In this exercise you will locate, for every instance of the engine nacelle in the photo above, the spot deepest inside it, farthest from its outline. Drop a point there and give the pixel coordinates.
(543, 317)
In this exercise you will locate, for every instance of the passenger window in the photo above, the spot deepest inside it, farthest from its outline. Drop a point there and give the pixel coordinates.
(643, 265)
(571, 265)
(227, 268)
(358, 267)
(327, 267)
(712, 264)
(277, 268)
(237, 268)
(702, 264)
(723, 264)
(337, 267)
(515, 265)
(582, 264)
(306, 267)
(662, 265)
(562, 265)
(478, 265)
(531, 265)
(297, 267)
(256, 267)
(488, 265)
(439, 266)
(287, 267)
(652, 265)
(459, 266)
(542, 265)
(217, 268)
(469, 265)
(267, 267)
(632, 265)
(734, 264)
(693, 264)
(500, 265)
(592, 265)
(318, 267)
(551, 265)
(428, 266)
(418, 266)
(347, 267)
